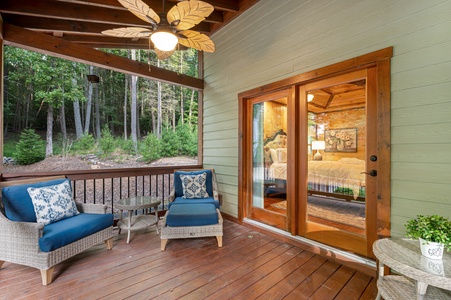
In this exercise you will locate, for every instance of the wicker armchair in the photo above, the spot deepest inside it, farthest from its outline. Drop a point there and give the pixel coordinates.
(175, 194)
(19, 241)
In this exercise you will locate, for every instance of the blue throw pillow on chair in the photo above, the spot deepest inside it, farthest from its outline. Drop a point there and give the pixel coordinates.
(178, 187)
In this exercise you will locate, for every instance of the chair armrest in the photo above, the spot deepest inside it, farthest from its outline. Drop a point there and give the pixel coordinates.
(171, 196)
(19, 235)
(92, 208)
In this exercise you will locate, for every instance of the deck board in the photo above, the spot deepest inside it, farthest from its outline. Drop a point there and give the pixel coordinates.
(250, 265)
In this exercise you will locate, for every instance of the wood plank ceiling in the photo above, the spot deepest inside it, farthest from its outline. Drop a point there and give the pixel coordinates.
(81, 22)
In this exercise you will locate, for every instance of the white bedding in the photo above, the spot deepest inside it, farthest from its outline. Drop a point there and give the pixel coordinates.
(345, 173)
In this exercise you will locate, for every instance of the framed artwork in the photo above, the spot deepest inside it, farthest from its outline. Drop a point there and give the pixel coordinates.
(341, 140)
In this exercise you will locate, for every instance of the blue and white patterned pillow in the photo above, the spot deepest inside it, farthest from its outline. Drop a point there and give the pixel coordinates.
(194, 186)
(53, 203)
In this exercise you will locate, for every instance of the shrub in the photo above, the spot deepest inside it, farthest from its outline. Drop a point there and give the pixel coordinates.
(84, 145)
(150, 148)
(170, 143)
(188, 137)
(30, 148)
(106, 142)
(127, 146)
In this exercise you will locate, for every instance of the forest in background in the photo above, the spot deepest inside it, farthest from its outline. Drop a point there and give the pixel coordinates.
(108, 111)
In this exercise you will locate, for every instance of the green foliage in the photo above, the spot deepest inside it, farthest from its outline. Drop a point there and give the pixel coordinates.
(150, 148)
(170, 143)
(127, 146)
(431, 228)
(349, 191)
(84, 145)
(187, 135)
(30, 148)
(107, 143)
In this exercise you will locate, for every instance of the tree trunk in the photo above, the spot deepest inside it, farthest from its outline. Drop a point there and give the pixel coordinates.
(97, 108)
(133, 112)
(88, 104)
(49, 137)
(77, 116)
(159, 117)
(125, 106)
(191, 104)
(63, 122)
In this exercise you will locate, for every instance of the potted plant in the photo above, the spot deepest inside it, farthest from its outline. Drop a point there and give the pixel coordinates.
(434, 233)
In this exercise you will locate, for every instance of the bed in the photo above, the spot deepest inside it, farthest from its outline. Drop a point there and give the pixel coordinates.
(343, 178)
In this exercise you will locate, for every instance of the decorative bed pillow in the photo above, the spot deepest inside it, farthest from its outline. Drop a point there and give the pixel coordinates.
(282, 155)
(53, 203)
(194, 186)
(274, 156)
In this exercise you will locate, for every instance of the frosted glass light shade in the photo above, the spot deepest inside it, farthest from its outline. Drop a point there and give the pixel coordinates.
(318, 145)
(164, 41)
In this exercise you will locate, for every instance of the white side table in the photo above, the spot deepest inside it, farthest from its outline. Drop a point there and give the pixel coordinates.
(421, 278)
(137, 222)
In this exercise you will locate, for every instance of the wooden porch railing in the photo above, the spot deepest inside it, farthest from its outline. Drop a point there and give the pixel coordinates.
(106, 186)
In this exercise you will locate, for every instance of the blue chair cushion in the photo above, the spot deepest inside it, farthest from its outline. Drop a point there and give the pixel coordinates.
(17, 201)
(185, 215)
(180, 200)
(178, 187)
(66, 231)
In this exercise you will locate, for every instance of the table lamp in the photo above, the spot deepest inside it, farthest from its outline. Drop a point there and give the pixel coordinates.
(318, 145)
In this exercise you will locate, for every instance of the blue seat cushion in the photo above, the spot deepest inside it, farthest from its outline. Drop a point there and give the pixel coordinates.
(184, 215)
(66, 231)
(17, 201)
(178, 187)
(180, 200)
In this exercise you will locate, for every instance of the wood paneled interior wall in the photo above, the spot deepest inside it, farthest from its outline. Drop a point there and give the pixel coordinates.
(275, 118)
(271, 42)
(353, 118)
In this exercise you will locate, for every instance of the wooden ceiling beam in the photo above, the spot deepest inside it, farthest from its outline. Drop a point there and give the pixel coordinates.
(230, 15)
(50, 45)
(81, 27)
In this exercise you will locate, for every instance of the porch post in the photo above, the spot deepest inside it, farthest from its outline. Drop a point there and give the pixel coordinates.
(2, 92)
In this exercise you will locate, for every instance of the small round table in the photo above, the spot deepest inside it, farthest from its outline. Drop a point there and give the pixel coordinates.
(137, 222)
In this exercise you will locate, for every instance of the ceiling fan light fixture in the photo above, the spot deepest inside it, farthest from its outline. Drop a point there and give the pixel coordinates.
(164, 40)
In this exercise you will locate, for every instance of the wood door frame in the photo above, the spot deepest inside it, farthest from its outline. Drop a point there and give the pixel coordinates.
(379, 62)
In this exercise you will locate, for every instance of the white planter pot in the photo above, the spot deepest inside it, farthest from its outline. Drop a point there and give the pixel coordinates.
(431, 249)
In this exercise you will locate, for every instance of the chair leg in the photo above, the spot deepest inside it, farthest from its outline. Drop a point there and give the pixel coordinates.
(109, 244)
(46, 276)
(163, 244)
(1, 263)
(219, 238)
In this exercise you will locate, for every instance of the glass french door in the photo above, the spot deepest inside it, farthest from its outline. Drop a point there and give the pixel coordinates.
(269, 146)
(337, 206)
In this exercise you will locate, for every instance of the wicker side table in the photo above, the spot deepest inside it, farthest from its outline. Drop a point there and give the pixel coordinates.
(421, 278)
(137, 222)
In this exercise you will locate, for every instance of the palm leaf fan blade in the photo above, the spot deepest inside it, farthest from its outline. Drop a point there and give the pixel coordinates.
(196, 40)
(163, 54)
(187, 14)
(141, 10)
(128, 32)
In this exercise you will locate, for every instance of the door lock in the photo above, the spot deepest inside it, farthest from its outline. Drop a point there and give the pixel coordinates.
(371, 173)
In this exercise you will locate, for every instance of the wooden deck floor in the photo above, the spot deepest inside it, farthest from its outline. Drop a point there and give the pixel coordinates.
(250, 265)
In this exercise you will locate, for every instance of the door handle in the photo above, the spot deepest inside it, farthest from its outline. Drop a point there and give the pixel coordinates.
(371, 173)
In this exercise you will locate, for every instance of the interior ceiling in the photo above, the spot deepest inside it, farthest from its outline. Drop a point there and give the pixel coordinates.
(82, 21)
(345, 96)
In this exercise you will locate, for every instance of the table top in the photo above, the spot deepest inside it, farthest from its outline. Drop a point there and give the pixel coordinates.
(139, 202)
(404, 256)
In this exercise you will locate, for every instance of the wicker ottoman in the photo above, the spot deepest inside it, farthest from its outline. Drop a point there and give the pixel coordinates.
(191, 221)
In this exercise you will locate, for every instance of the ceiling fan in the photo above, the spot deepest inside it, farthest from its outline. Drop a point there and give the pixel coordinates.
(166, 30)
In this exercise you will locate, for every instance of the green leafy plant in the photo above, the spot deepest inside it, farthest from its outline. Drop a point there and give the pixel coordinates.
(150, 148)
(431, 228)
(107, 143)
(30, 148)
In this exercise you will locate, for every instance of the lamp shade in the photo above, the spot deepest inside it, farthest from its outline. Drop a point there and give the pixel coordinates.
(164, 40)
(318, 145)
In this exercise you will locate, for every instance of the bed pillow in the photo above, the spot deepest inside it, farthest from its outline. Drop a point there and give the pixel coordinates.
(282, 155)
(194, 186)
(53, 203)
(274, 157)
